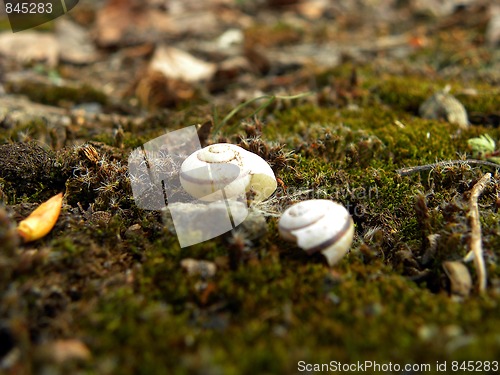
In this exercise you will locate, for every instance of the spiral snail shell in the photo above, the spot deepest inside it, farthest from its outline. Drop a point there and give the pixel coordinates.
(225, 171)
(318, 225)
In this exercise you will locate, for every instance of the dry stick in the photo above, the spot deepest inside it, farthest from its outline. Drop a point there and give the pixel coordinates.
(476, 247)
(410, 170)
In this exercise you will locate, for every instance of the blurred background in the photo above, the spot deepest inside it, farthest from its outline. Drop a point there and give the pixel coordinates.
(159, 54)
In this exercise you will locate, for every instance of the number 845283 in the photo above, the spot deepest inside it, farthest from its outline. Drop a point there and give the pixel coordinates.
(28, 8)
(474, 366)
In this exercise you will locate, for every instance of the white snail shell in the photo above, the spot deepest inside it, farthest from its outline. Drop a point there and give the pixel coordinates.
(223, 171)
(318, 225)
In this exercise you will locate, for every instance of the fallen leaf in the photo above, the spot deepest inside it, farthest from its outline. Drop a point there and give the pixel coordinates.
(41, 221)
(30, 46)
(74, 42)
(493, 28)
(128, 23)
(174, 63)
(115, 20)
(61, 351)
(154, 91)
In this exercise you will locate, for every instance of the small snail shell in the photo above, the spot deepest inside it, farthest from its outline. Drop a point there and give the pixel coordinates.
(318, 225)
(203, 268)
(223, 171)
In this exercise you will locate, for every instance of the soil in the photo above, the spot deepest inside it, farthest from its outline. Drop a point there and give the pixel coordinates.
(328, 93)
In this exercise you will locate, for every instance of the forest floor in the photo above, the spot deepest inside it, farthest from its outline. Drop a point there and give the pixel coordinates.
(329, 96)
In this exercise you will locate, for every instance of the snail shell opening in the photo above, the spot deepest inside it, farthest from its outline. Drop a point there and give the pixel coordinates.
(319, 225)
(263, 182)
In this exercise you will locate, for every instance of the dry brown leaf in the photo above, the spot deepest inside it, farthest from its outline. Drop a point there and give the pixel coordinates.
(115, 19)
(129, 22)
(154, 91)
(30, 46)
(493, 28)
(74, 42)
(174, 63)
(61, 351)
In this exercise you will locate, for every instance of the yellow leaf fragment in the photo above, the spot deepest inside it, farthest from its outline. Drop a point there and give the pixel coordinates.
(42, 220)
(63, 351)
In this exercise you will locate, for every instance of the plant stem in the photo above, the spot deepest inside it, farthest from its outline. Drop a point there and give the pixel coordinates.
(476, 247)
(420, 168)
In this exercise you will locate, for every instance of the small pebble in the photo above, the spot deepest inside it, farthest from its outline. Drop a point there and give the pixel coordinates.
(133, 230)
(443, 106)
(460, 279)
(199, 267)
(230, 38)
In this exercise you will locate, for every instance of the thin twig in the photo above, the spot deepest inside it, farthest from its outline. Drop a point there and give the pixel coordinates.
(420, 168)
(476, 247)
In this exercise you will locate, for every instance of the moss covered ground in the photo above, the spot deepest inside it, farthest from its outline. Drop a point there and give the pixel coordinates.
(109, 274)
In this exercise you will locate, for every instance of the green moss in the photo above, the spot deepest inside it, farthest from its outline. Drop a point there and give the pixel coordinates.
(58, 95)
(4, 24)
(486, 101)
(387, 300)
(105, 138)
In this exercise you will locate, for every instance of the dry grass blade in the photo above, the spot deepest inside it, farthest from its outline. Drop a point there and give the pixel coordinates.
(269, 100)
(41, 221)
(476, 247)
